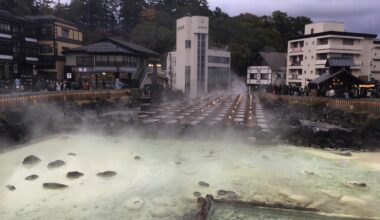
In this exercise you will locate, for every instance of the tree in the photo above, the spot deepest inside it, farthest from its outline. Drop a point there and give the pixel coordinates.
(130, 13)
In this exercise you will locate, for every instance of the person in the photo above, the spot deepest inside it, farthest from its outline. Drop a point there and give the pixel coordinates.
(331, 93)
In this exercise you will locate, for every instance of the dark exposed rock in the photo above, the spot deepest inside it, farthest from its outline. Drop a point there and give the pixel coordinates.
(31, 161)
(56, 164)
(31, 177)
(345, 153)
(74, 175)
(107, 174)
(11, 187)
(72, 154)
(137, 158)
(54, 186)
(197, 194)
(204, 184)
(355, 184)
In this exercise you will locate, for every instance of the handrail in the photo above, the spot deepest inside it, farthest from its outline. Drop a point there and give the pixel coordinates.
(356, 105)
(9, 100)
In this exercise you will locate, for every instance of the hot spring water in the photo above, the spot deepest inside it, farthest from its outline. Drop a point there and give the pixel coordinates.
(160, 182)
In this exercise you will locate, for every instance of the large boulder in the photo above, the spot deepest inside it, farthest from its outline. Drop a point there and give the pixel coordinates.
(11, 187)
(56, 164)
(31, 177)
(74, 175)
(54, 186)
(31, 161)
(107, 174)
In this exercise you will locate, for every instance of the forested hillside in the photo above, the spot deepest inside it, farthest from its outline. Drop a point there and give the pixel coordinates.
(152, 23)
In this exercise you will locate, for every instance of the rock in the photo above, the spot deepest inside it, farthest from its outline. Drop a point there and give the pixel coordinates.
(31, 177)
(11, 187)
(56, 164)
(344, 153)
(265, 157)
(197, 194)
(134, 203)
(72, 154)
(54, 186)
(355, 184)
(107, 174)
(204, 184)
(348, 200)
(178, 162)
(31, 161)
(74, 175)
(137, 158)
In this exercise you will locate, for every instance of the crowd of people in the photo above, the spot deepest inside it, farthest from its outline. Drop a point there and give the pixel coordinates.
(371, 92)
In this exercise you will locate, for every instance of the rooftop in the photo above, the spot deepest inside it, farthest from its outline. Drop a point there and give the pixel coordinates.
(338, 33)
(116, 46)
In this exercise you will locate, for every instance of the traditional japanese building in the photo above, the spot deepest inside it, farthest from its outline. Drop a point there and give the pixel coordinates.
(18, 51)
(108, 61)
(54, 35)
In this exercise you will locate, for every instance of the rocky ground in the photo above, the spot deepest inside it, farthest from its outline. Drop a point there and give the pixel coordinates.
(322, 127)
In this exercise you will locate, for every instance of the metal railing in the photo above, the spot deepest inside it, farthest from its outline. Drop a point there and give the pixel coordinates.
(357, 105)
(15, 99)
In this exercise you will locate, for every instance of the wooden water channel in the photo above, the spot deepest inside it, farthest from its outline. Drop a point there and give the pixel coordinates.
(221, 110)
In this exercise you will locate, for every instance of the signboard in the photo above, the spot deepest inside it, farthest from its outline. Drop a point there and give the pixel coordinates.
(69, 75)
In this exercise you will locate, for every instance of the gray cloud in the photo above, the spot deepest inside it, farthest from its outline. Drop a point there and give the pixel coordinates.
(359, 15)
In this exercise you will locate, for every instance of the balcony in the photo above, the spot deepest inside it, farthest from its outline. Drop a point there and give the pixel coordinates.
(337, 46)
(321, 62)
(296, 50)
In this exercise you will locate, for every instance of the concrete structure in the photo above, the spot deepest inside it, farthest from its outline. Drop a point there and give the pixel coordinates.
(307, 54)
(269, 68)
(375, 63)
(193, 67)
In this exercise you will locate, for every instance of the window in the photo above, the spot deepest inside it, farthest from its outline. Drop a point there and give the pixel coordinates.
(348, 42)
(65, 33)
(187, 79)
(312, 57)
(252, 76)
(214, 59)
(84, 61)
(5, 27)
(264, 76)
(312, 31)
(323, 41)
(46, 30)
(188, 43)
(46, 48)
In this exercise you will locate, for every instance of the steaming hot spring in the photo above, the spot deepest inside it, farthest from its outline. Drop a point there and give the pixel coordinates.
(121, 177)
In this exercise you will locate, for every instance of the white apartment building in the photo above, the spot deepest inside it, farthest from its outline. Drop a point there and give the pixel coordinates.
(193, 67)
(308, 54)
(375, 64)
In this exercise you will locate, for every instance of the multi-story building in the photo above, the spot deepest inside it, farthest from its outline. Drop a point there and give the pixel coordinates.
(54, 36)
(18, 51)
(107, 61)
(375, 63)
(308, 54)
(194, 68)
(269, 68)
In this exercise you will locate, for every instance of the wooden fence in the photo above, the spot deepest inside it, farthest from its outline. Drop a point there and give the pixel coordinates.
(357, 105)
(9, 100)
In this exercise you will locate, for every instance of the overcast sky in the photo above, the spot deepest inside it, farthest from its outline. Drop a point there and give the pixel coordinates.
(359, 15)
